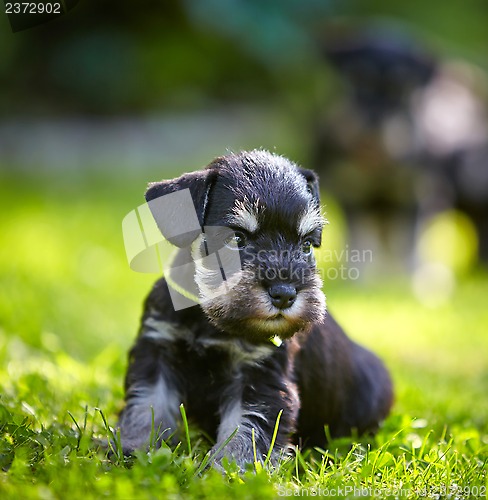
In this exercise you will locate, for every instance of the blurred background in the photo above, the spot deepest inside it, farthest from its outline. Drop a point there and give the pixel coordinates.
(387, 101)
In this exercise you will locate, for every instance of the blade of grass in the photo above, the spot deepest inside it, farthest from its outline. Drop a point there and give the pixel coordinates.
(185, 425)
(257, 465)
(211, 455)
(273, 439)
(152, 434)
(80, 434)
(115, 435)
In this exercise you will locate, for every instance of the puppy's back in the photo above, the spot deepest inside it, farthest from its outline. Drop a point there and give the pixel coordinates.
(340, 384)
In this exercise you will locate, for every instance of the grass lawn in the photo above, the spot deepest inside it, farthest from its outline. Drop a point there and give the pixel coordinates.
(69, 310)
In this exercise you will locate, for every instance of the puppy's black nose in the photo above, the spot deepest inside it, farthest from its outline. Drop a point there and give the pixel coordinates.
(282, 295)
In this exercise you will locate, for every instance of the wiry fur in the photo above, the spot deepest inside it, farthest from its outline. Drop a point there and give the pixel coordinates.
(217, 358)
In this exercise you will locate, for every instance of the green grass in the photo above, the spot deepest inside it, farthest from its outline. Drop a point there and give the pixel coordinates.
(69, 310)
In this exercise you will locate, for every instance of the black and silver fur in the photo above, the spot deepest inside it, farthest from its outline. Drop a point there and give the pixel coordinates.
(217, 357)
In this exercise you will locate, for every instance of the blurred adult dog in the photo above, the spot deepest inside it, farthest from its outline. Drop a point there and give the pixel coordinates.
(260, 340)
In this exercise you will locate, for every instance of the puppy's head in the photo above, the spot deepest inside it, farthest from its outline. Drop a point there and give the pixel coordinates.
(259, 218)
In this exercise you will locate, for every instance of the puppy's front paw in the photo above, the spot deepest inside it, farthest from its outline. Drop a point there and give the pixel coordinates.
(236, 452)
(240, 453)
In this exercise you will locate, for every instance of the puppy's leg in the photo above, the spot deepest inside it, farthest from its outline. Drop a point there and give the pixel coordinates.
(152, 397)
(254, 401)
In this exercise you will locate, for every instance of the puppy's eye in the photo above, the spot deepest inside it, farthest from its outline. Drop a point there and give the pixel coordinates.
(236, 241)
(307, 247)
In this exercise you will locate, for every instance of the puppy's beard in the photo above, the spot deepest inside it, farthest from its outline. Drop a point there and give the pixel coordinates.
(242, 307)
(309, 307)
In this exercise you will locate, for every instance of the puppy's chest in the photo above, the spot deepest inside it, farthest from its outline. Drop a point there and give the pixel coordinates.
(206, 349)
(211, 369)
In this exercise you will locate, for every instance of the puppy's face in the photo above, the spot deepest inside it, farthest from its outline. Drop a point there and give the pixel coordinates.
(260, 211)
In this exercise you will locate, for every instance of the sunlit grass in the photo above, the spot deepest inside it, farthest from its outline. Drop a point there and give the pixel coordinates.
(69, 310)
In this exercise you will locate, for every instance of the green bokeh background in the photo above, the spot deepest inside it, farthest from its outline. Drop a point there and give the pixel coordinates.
(70, 305)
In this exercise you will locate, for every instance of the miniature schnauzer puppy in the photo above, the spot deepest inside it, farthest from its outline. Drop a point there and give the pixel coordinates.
(221, 357)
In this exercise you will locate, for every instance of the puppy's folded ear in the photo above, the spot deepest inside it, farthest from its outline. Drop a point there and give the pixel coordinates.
(312, 183)
(313, 187)
(179, 205)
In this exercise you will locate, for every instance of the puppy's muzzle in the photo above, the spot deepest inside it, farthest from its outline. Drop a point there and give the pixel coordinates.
(282, 295)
